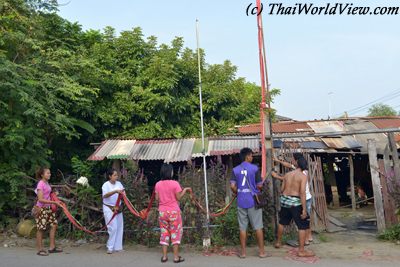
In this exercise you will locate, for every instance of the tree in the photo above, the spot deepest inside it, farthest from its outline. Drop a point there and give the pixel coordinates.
(62, 88)
(378, 110)
(41, 97)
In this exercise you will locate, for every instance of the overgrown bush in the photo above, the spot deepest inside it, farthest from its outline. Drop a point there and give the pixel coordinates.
(227, 231)
(391, 234)
(146, 232)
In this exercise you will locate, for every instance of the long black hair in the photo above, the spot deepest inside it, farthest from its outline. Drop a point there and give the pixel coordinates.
(166, 172)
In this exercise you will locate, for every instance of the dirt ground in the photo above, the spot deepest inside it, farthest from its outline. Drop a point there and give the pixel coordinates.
(350, 248)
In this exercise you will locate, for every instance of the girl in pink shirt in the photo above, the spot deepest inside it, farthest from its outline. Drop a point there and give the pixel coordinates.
(46, 217)
(168, 194)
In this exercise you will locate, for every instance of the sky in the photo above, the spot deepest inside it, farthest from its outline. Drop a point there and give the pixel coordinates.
(324, 65)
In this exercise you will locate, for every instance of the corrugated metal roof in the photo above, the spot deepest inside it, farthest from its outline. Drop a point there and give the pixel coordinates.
(251, 128)
(290, 127)
(167, 150)
(326, 126)
(313, 145)
(181, 150)
(226, 145)
(384, 123)
(278, 127)
(303, 142)
(122, 149)
(359, 125)
(302, 139)
(198, 148)
(184, 149)
(232, 145)
(151, 149)
(312, 150)
(343, 142)
(103, 150)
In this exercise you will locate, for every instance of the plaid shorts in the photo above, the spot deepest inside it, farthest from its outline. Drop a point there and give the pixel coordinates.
(46, 217)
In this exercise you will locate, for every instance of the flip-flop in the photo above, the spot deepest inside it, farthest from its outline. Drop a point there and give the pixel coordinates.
(55, 250)
(242, 256)
(164, 259)
(180, 259)
(306, 254)
(266, 255)
(42, 253)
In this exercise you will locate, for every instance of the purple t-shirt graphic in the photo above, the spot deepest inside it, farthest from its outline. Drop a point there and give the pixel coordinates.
(245, 175)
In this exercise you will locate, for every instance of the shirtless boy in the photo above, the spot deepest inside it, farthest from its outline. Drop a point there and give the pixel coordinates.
(293, 205)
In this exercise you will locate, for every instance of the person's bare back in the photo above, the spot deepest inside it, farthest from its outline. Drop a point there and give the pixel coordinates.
(293, 183)
(293, 205)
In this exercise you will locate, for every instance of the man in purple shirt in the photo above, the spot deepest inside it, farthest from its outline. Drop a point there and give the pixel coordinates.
(246, 182)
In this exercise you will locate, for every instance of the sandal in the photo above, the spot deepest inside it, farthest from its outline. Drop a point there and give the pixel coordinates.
(265, 255)
(42, 253)
(164, 259)
(180, 259)
(55, 250)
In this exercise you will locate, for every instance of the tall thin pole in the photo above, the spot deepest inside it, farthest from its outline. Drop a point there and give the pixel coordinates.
(207, 241)
(263, 93)
(265, 117)
(266, 101)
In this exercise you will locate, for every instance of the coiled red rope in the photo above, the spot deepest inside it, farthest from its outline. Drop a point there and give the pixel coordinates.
(76, 223)
(220, 212)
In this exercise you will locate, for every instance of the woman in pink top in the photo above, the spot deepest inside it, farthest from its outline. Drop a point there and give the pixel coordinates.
(168, 194)
(46, 217)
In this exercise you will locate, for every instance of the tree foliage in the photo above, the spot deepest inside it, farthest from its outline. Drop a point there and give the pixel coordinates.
(62, 88)
(378, 110)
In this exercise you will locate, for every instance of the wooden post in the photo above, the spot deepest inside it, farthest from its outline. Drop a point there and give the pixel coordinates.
(395, 156)
(376, 183)
(228, 195)
(386, 160)
(388, 170)
(353, 193)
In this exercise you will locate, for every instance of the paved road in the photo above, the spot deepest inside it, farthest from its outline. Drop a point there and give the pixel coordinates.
(89, 257)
